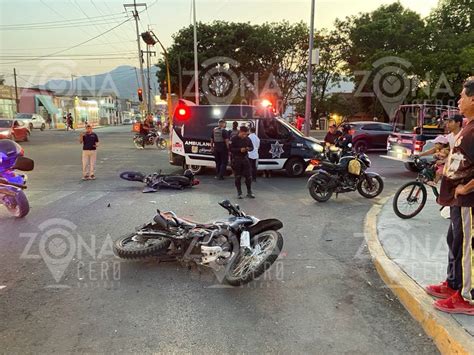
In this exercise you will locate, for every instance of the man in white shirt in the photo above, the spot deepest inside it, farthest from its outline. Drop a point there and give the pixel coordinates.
(454, 125)
(253, 155)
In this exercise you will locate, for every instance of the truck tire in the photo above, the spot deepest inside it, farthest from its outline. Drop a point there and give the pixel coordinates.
(295, 167)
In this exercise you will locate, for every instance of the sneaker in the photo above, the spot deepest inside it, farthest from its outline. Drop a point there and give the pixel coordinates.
(250, 195)
(441, 290)
(84, 178)
(92, 177)
(455, 304)
(240, 196)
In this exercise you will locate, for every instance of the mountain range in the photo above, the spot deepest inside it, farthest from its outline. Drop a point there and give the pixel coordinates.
(123, 81)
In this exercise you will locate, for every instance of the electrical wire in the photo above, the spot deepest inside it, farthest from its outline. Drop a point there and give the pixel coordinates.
(74, 46)
(79, 20)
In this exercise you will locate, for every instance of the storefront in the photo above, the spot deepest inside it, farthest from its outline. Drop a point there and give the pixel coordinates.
(7, 102)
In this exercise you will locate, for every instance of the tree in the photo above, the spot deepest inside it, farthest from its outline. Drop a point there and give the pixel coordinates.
(240, 62)
(450, 58)
(391, 40)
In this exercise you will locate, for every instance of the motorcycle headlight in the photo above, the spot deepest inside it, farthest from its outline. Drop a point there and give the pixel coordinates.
(318, 148)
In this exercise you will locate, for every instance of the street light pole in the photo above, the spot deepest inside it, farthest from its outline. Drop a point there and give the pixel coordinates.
(196, 72)
(309, 80)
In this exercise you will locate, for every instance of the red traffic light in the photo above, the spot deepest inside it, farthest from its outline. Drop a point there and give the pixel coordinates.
(140, 95)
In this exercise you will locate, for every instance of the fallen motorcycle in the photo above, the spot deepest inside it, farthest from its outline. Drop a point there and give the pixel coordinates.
(155, 181)
(349, 174)
(152, 138)
(11, 183)
(239, 249)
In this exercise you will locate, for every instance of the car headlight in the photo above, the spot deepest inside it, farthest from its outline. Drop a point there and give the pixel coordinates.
(4, 133)
(318, 148)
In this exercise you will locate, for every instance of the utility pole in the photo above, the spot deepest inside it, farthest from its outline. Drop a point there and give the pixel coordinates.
(180, 79)
(16, 92)
(148, 55)
(196, 70)
(140, 54)
(309, 81)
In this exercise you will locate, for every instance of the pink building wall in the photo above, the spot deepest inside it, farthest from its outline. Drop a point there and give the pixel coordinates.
(27, 99)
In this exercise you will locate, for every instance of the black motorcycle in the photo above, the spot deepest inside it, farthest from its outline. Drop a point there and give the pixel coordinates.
(152, 138)
(349, 174)
(239, 249)
(156, 181)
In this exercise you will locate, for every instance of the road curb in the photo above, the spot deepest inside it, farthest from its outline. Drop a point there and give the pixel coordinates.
(446, 333)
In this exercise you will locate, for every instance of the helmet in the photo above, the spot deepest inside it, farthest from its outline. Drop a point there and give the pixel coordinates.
(9, 152)
(346, 127)
(189, 174)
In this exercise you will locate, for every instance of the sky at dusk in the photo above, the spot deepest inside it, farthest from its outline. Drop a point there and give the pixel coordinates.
(165, 17)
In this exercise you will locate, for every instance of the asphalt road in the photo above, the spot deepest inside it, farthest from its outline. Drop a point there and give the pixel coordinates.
(70, 294)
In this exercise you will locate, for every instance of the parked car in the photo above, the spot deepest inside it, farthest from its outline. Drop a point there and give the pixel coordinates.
(370, 135)
(33, 120)
(414, 126)
(127, 121)
(14, 129)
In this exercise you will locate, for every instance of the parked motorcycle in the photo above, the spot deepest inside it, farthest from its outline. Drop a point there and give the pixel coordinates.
(12, 184)
(152, 138)
(349, 174)
(239, 248)
(156, 181)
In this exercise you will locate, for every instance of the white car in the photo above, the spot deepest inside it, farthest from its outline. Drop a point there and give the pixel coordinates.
(32, 120)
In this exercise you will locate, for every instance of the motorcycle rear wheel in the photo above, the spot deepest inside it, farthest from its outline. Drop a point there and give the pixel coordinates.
(20, 207)
(319, 193)
(132, 176)
(138, 142)
(246, 268)
(128, 248)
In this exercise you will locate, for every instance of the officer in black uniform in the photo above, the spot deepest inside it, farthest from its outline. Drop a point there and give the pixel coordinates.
(220, 147)
(240, 146)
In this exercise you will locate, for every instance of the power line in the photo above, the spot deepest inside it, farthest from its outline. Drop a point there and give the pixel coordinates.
(79, 20)
(58, 26)
(41, 48)
(72, 47)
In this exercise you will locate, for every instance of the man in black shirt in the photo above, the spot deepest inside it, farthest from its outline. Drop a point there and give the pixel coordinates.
(89, 142)
(220, 147)
(239, 147)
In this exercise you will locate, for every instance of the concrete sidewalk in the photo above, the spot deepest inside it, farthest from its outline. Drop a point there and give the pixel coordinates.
(418, 247)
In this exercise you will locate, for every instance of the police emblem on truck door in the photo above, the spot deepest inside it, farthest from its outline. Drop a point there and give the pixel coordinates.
(276, 150)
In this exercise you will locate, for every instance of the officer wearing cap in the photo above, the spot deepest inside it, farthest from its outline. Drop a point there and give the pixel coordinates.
(220, 147)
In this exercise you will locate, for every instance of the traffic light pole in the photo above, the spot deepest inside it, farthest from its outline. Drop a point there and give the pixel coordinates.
(140, 55)
(148, 54)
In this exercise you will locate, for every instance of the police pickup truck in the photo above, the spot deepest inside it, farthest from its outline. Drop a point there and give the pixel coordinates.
(281, 145)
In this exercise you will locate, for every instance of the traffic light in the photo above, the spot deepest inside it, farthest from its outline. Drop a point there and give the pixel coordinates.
(140, 95)
(163, 90)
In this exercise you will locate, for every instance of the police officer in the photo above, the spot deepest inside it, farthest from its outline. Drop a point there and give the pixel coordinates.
(239, 147)
(220, 147)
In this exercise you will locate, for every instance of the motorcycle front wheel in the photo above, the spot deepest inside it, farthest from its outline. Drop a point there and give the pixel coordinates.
(249, 265)
(133, 246)
(161, 143)
(319, 192)
(132, 176)
(18, 206)
(410, 199)
(373, 190)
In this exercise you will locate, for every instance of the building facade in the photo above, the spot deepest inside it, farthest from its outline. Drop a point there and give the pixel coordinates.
(7, 102)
